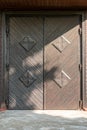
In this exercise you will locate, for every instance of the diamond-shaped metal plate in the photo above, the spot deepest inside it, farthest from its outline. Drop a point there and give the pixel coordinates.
(61, 43)
(27, 78)
(27, 43)
(62, 79)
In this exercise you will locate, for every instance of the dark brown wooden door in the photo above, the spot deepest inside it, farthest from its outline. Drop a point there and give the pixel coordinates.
(26, 63)
(44, 55)
(62, 57)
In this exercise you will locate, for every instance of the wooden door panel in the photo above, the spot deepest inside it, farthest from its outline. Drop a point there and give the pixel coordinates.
(62, 57)
(26, 63)
(59, 57)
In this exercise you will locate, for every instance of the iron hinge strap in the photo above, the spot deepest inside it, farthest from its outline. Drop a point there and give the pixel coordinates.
(80, 67)
(7, 31)
(7, 67)
(80, 104)
(80, 31)
(6, 103)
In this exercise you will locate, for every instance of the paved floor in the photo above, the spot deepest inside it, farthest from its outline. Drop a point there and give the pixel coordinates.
(43, 120)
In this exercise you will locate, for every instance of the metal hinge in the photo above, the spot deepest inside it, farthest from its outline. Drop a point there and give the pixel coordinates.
(6, 103)
(80, 104)
(80, 31)
(7, 67)
(80, 67)
(7, 31)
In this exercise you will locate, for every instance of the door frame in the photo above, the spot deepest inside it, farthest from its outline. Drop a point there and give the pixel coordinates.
(5, 43)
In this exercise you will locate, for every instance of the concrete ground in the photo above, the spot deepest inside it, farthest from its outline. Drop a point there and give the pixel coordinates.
(43, 120)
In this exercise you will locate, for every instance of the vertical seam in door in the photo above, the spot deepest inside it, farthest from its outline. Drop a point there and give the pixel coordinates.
(43, 65)
(6, 61)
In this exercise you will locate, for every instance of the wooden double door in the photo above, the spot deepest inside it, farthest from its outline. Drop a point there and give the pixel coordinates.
(44, 55)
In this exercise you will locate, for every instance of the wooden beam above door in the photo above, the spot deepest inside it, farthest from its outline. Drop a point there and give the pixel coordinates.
(42, 4)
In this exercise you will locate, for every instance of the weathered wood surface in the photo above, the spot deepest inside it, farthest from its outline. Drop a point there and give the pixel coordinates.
(44, 59)
(62, 57)
(26, 92)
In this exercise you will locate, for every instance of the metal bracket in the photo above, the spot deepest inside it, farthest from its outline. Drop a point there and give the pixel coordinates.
(80, 67)
(81, 104)
(7, 31)
(6, 102)
(7, 67)
(80, 31)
